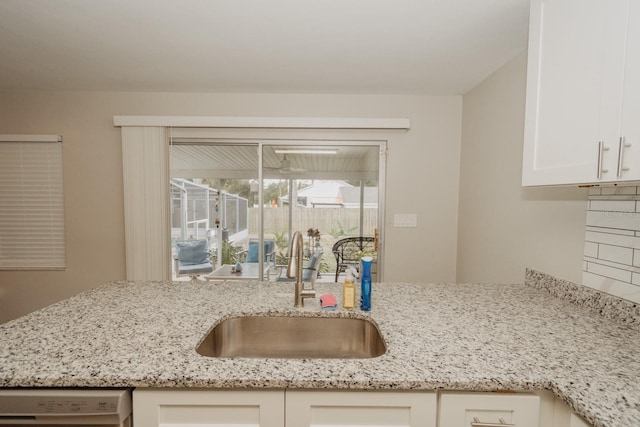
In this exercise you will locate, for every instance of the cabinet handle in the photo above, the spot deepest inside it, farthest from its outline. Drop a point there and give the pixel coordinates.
(601, 150)
(477, 423)
(621, 146)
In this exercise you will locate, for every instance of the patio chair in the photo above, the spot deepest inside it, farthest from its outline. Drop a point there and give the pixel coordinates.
(192, 258)
(346, 252)
(309, 273)
(251, 254)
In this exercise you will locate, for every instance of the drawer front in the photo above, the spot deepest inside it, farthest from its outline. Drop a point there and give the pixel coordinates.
(485, 409)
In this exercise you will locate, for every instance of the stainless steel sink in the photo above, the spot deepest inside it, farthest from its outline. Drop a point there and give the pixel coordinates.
(294, 338)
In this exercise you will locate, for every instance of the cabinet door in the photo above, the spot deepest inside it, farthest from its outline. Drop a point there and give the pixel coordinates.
(170, 407)
(360, 408)
(576, 421)
(563, 416)
(476, 409)
(574, 78)
(629, 160)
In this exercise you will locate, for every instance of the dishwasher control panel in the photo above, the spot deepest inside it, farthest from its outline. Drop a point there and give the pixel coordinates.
(75, 406)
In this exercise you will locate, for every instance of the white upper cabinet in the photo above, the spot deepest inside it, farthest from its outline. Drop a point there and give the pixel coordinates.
(630, 124)
(582, 93)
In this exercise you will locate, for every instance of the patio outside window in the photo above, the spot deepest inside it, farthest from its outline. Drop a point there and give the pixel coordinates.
(328, 192)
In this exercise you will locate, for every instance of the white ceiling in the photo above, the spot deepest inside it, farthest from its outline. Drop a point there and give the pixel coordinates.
(198, 159)
(433, 47)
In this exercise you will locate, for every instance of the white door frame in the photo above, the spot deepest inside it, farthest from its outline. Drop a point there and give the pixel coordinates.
(145, 206)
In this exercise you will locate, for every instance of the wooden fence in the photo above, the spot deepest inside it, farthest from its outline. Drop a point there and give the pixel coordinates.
(330, 221)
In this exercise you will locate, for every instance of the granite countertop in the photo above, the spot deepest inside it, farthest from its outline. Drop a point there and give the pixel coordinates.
(439, 336)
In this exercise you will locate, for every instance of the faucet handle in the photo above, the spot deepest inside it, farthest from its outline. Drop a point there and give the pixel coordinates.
(308, 293)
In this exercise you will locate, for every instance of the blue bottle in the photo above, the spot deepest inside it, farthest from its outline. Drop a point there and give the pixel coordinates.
(365, 284)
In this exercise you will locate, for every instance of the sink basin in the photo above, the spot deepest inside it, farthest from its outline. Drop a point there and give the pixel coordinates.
(294, 338)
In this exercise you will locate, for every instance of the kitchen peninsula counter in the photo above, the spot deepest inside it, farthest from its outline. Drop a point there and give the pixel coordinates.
(478, 337)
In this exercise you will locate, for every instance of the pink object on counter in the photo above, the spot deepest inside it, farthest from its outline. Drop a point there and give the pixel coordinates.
(328, 300)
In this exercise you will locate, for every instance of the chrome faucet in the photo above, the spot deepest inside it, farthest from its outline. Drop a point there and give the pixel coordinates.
(294, 270)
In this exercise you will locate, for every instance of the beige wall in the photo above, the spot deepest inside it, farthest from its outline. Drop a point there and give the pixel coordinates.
(499, 229)
(422, 177)
(504, 228)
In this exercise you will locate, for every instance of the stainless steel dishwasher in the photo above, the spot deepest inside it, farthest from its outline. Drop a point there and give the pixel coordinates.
(88, 407)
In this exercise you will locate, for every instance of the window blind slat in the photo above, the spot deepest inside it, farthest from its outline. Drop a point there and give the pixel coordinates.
(31, 203)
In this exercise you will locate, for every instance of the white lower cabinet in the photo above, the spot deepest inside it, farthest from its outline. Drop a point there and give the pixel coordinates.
(576, 421)
(563, 416)
(307, 408)
(555, 413)
(458, 409)
(265, 408)
(325, 408)
(189, 407)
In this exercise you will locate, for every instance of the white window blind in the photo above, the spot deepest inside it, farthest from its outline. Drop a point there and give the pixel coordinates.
(31, 203)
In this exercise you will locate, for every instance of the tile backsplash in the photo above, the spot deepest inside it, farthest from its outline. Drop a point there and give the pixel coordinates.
(612, 242)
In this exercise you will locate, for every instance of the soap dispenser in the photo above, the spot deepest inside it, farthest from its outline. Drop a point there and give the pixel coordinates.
(365, 283)
(349, 291)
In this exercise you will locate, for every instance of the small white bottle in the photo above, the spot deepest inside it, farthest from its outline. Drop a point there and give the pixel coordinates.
(349, 291)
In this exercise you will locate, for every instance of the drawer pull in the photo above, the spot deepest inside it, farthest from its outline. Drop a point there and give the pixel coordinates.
(621, 146)
(477, 423)
(601, 150)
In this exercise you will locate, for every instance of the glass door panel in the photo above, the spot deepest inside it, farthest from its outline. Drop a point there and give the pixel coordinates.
(213, 187)
(328, 192)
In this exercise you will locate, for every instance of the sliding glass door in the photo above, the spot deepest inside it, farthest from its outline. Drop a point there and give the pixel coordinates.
(246, 198)
(328, 192)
